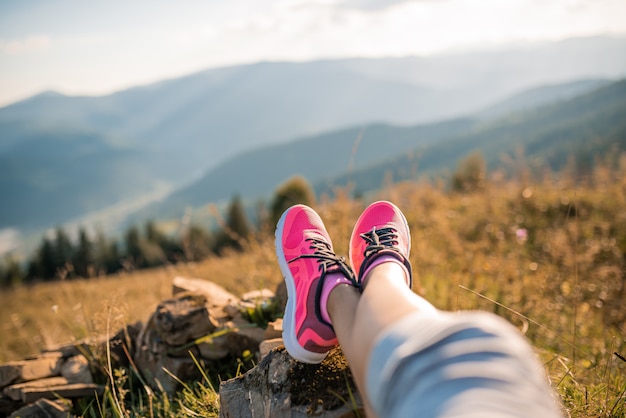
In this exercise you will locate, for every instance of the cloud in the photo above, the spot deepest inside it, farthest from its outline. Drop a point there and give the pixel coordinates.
(87, 52)
(374, 5)
(25, 45)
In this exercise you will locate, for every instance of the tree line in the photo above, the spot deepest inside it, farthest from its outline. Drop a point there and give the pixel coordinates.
(59, 257)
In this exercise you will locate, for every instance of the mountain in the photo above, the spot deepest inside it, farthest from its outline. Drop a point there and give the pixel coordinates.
(46, 176)
(542, 95)
(584, 127)
(171, 132)
(256, 173)
(365, 154)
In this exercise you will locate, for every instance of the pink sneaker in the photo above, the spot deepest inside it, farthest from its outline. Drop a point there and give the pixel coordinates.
(311, 270)
(381, 233)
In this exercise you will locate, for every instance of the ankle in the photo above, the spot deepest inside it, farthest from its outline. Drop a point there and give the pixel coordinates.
(331, 282)
(388, 266)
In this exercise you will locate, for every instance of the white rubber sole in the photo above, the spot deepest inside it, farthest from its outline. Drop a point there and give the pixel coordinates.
(289, 319)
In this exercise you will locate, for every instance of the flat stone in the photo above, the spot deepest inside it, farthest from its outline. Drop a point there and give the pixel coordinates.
(73, 390)
(268, 345)
(25, 370)
(121, 342)
(75, 348)
(274, 329)
(43, 408)
(257, 295)
(216, 295)
(15, 391)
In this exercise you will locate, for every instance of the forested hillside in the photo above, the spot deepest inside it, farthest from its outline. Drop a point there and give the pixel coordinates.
(583, 128)
(547, 136)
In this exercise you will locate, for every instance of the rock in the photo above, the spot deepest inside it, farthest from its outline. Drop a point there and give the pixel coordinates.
(168, 338)
(75, 348)
(202, 320)
(281, 296)
(216, 295)
(257, 296)
(14, 391)
(245, 338)
(8, 405)
(268, 345)
(183, 319)
(25, 370)
(154, 371)
(76, 370)
(216, 349)
(274, 329)
(231, 311)
(43, 408)
(28, 392)
(279, 386)
(121, 343)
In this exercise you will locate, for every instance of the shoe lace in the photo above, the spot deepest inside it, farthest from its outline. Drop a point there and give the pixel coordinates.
(383, 239)
(327, 260)
(380, 239)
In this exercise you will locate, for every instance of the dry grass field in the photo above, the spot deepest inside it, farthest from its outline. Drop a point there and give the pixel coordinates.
(549, 255)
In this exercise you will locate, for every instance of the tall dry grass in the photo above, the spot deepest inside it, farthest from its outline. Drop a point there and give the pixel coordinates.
(45, 315)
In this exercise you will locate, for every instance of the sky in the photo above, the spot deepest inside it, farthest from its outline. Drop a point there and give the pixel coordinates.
(82, 47)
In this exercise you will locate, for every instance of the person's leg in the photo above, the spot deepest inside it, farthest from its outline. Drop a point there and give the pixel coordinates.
(379, 249)
(359, 318)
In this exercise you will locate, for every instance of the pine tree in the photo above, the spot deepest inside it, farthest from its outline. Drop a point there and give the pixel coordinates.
(63, 252)
(293, 191)
(43, 264)
(134, 253)
(83, 258)
(237, 220)
(107, 257)
(197, 243)
(153, 234)
(168, 248)
(237, 229)
(112, 259)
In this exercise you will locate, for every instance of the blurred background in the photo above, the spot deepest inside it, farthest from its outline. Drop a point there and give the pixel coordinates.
(116, 114)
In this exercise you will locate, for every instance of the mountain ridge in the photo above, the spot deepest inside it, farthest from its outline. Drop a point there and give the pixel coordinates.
(356, 151)
(584, 127)
(178, 128)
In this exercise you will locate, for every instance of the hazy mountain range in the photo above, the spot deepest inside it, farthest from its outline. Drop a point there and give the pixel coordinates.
(568, 120)
(206, 136)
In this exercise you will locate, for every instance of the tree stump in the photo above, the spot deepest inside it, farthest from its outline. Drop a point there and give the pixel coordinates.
(281, 387)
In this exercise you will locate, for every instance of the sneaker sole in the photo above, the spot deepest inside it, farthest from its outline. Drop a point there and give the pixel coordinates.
(290, 338)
